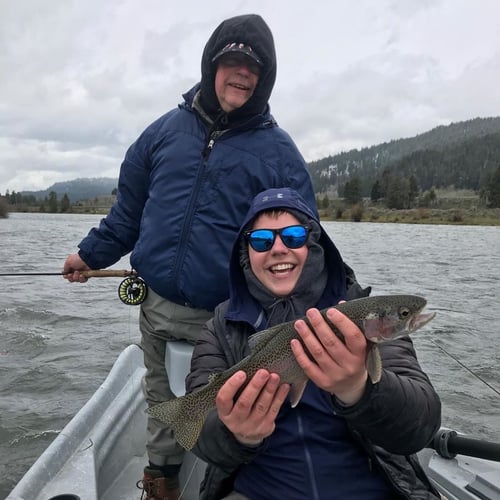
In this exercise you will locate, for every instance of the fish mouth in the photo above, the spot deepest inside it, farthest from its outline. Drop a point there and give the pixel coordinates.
(419, 321)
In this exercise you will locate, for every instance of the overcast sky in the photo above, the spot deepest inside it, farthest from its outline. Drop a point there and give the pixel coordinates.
(79, 80)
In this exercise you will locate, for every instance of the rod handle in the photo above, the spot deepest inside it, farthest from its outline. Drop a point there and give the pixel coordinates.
(108, 273)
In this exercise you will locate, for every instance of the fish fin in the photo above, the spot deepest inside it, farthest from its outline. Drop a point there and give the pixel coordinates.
(296, 391)
(374, 363)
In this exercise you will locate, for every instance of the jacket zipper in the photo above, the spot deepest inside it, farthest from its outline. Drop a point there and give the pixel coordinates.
(208, 148)
(310, 468)
(186, 227)
(214, 133)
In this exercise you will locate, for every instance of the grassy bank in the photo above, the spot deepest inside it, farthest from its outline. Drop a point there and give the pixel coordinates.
(457, 216)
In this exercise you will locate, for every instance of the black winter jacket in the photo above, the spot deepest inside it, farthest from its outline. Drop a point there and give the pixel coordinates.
(390, 436)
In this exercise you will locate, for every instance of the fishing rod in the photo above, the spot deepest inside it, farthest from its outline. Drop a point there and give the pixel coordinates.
(131, 291)
(93, 273)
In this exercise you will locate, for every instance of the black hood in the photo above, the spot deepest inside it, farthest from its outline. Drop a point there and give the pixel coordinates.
(251, 30)
(241, 306)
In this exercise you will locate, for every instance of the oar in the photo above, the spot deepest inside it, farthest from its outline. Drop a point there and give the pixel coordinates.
(449, 443)
(94, 273)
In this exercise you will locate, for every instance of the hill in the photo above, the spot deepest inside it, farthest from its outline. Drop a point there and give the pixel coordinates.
(461, 155)
(78, 189)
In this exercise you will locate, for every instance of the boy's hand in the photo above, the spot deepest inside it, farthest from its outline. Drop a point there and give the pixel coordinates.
(251, 418)
(340, 367)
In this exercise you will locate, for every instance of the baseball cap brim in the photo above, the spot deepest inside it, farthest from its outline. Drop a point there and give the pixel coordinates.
(241, 48)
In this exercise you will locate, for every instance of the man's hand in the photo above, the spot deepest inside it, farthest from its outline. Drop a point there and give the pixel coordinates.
(340, 366)
(72, 267)
(251, 418)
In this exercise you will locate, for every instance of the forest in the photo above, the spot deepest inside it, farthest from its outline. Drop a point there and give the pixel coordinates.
(404, 172)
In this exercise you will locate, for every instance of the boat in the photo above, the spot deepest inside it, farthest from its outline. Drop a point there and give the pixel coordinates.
(100, 453)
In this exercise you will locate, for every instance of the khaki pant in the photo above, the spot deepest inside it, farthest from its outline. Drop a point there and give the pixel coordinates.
(161, 320)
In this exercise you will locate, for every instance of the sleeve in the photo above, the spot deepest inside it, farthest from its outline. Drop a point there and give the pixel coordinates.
(208, 357)
(354, 289)
(403, 411)
(119, 230)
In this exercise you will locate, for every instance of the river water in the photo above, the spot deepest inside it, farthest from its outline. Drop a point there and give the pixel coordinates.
(58, 340)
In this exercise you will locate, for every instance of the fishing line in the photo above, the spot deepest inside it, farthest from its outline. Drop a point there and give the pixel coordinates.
(466, 367)
(32, 274)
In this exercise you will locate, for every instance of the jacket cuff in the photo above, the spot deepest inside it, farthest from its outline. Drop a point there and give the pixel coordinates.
(343, 410)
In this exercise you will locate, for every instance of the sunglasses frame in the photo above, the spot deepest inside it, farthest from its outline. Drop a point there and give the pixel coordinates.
(235, 59)
(275, 232)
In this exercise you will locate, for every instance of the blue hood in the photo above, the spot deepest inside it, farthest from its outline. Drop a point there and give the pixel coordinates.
(242, 306)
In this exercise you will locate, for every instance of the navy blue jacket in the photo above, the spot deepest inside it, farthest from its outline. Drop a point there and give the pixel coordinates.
(187, 182)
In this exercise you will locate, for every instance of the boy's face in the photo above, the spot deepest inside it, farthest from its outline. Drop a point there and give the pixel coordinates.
(235, 80)
(279, 268)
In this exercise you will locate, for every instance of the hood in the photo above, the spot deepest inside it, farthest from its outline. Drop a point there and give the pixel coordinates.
(251, 30)
(242, 306)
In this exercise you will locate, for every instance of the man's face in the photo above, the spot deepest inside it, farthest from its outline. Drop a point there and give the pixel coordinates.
(235, 80)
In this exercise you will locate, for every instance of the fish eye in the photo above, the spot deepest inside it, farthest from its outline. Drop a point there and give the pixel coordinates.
(404, 312)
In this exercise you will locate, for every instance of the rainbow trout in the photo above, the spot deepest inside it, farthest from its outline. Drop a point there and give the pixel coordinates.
(381, 318)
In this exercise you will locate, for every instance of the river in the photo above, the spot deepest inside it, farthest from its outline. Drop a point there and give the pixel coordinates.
(58, 340)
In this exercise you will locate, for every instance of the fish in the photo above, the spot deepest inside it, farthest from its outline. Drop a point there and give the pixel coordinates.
(381, 318)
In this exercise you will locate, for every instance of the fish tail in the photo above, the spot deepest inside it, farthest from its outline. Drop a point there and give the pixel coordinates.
(182, 416)
(186, 434)
(168, 411)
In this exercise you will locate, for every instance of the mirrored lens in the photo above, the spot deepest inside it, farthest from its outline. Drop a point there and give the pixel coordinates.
(262, 240)
(293, 236)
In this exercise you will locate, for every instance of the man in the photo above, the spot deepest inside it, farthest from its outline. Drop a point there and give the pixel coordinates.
(185, 186)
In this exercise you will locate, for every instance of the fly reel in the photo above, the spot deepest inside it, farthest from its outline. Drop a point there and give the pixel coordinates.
(133, 291)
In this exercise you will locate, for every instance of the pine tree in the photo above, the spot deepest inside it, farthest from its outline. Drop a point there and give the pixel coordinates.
(413, 190)
(65, 204)
(353, 191)
(52, 203)
(376, 192)
(494, 189)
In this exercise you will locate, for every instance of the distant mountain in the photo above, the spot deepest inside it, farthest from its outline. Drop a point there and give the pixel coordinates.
(461, 155)
(78, 189)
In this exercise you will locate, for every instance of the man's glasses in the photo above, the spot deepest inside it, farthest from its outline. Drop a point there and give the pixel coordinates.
(235, 60)
(262, 240)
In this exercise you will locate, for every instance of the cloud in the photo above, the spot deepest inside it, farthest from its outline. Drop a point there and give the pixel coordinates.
(81, 80)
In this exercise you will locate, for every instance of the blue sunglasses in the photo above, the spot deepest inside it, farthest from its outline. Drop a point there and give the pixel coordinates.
(262, 240)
